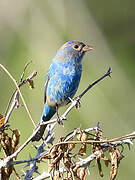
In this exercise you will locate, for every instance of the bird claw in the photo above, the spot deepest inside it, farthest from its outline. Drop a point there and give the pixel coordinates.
(59, 120)
(78, 103)
(76, 100)
(63, 117)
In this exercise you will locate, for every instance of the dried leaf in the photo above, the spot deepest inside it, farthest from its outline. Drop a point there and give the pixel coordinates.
(81, 173)
(68, 163)
(63, 147)
(71, 147)
(114, 168)
(1, 116)
(98, 134)
(82, 137)
(6, 172)
(75, 169)
(82, 150)
(31, 83)
(9, 144)
(116, 156)
(57, 175)
(105, 159)
(6, 144)
(55, 161)
(100, 167)
(15, 138)
(69, 176)
(2, 120)
(54, 151)
(7, 141)
(51, 166)
(78, 136)
(52, 154)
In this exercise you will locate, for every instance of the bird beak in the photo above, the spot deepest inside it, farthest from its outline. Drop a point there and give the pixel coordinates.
(87, 48)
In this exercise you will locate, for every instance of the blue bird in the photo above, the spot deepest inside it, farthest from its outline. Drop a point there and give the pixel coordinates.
(62, 80)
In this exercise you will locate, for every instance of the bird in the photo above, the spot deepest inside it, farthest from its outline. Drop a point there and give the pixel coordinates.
(62, 80)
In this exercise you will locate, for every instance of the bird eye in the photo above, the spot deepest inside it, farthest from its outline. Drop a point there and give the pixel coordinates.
(76, 46)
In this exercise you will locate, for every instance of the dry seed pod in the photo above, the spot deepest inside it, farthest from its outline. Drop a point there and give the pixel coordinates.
(99, 167)
(15, 138)
(54, 151)
(81, 173)
(115, 160)
(82, 150)
(31, 83)
(84, 137)
(71, 147)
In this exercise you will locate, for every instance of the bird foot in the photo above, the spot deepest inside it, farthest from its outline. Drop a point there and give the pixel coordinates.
(59, 120)
(77, 102)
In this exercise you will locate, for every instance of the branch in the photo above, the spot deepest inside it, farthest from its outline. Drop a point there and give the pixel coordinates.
(57, 151)
(108, 73)
(115, 141)
(18, 89)
(76, 100)
(44, 175)
(64, 153)
(5, 161)
(40, 149)
(104, 146)
(32, 163)
(15, 102)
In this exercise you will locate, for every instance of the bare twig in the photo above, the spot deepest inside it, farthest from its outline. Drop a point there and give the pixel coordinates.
(25, 67)
(27, 79)
(123, 139)
(126, 139)
(44, 175)
(91, 85)
(76, 100)
(22, 76)
(63, 117)
(32, 164)
(5, 161)
(18, 89)
(9, 102)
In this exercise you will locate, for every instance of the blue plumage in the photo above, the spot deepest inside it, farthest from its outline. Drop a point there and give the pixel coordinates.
(62, 79)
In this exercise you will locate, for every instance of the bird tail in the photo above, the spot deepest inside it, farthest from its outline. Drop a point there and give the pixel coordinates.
(47, 114)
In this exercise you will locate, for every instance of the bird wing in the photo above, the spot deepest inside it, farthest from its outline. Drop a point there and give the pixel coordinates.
(45, 87)
(51, 73)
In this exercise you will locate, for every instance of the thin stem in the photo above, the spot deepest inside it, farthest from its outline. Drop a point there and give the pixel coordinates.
(129, 136)
(11, 77)
(9, 102)
(94, 83)
(25, 67)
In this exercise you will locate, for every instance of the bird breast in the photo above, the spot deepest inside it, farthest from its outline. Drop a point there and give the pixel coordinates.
(63, 84)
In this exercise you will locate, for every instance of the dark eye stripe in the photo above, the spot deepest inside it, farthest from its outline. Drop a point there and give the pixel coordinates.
(82, 46)
(76, 46)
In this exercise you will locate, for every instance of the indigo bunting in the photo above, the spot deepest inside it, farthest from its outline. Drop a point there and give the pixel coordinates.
(62, 80)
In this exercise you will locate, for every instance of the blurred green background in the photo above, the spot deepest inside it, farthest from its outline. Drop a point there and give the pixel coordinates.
(34, 30)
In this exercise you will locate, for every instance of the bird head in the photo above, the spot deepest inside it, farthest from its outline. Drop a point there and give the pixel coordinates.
(72, 51)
